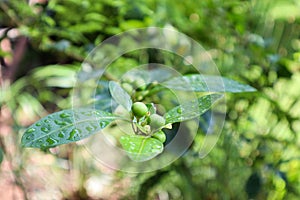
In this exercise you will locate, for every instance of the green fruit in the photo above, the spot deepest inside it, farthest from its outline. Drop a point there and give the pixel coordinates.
(128, 79)
(127, 87)
(156, 121)
(160, 135)
(139, 109)
(139, 83)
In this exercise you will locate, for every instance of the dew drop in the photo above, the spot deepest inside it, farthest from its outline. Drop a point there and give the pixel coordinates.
(154, 150)
(30, 137)
(103, 124)
(132, 143)
(51, 141)
(96, 112)
(47, 121)
(89, 114)
(132, 148)
(73, 134)
(30, 130)
(45, 129)
(61, 134)
(60, 123)
(89, 128)
(64, 115)
(179, 110)
(38, 124)
(124, 138)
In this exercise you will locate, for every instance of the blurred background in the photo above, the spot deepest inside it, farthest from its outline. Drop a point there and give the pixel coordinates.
(43, 43)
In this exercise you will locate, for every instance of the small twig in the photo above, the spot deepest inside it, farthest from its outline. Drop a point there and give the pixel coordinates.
(135, 130)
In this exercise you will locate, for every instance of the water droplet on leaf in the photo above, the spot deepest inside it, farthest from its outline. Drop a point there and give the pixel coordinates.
(64, 115)
(45, 129)
(51, 141)
(47, 121)
(131, 143)
(61, 134)
(179, 110)
(103, 124)
(132, 148)
(60, 123)
(73, 134)
(154, 150)
(30, 137)
(89, 128)
(96, 112)
(30, 130)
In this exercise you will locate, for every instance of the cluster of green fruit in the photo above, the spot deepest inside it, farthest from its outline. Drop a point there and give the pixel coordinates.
(129, 84)
(137, 87)
(148, 123)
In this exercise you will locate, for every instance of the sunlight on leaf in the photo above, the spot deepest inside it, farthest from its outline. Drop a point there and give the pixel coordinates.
(189, 111)
(65, 126)
(141, 148)
(207, 83)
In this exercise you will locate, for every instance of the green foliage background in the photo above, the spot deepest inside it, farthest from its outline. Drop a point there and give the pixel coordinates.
(254, 42)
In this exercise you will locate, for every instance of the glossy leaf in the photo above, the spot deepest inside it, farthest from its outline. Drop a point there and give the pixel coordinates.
(103, 99)
(65, 126)
(62, 76)
(207, 83)
(151, 108)
(141, 148)
(120, 95)
(189, 110)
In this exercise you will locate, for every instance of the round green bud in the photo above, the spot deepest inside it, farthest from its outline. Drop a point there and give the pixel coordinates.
(127, 79)
(139, 109)
(127, 87)
(156, 121)
(160, 135)
(139, 83)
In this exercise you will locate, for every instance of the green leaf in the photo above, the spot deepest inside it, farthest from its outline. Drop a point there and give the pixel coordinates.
(62, 76)
(102, 98)
(207, 83)
(141, 148)
(65, 126)
(151, 108)
(44, 72)
(120, 95)
(189, 111)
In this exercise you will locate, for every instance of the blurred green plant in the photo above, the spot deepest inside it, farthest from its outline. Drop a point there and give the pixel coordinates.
(73, 125)
(254, 42)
